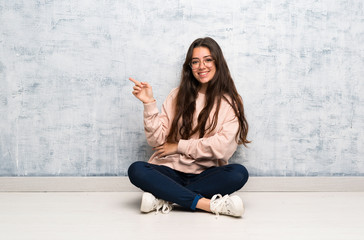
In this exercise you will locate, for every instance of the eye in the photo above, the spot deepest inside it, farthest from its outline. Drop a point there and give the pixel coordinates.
(195, 62)
(209, 60)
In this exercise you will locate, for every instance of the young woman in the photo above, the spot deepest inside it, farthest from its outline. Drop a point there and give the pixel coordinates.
(198, 130)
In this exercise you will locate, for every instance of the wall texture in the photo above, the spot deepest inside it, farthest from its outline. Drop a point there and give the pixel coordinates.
(66, 107)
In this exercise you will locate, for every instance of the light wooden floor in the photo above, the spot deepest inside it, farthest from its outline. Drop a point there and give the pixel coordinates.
(93, 215)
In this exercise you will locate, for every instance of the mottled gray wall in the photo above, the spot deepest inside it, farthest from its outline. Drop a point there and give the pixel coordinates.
(66, 105)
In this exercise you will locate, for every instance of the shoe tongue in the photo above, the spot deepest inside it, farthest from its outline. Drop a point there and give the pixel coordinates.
(220, 205)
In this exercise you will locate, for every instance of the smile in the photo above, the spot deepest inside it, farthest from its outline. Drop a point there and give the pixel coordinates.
(203, 74)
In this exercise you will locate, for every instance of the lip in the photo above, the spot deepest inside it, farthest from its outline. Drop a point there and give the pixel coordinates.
(203, 74)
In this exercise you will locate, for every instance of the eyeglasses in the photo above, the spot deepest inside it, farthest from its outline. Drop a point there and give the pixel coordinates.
(207, 62)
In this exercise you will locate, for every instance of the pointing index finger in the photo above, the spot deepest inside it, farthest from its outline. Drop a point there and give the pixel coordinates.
(134, 81)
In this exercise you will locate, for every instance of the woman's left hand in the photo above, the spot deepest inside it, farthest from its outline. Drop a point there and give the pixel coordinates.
(166, 149)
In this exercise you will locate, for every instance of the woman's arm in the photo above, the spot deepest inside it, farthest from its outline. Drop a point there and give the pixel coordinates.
(156, 124)
(221, 145)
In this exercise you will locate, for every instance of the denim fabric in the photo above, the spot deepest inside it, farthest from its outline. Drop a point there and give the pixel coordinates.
(186, 189)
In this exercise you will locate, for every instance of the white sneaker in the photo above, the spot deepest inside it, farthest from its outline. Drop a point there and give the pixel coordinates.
(227, 205)
(151, 203)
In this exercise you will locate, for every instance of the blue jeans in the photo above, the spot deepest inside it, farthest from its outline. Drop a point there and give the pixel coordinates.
(186, 189)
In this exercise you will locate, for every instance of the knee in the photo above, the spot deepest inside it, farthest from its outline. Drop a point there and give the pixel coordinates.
(135, 171)
(240, 174)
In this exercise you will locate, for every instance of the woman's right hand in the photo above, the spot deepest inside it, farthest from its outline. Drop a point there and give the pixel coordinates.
(142, 91)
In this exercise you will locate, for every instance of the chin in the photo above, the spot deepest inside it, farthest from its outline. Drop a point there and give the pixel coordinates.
(204, 81)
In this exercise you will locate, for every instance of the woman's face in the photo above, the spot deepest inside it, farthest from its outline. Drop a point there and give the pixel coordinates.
(203, 65)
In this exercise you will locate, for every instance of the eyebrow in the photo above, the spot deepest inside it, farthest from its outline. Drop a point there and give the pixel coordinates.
(202, 57)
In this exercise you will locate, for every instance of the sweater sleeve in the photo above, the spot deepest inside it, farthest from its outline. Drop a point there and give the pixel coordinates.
(156, 125)
(221, 145)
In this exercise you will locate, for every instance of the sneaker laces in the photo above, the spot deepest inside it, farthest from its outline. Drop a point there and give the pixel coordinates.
(163, 206)
(218, 204)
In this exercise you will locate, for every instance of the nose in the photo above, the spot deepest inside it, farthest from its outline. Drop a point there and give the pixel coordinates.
(202, 65)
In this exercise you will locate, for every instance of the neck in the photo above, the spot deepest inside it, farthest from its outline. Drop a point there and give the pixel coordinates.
(203, 88)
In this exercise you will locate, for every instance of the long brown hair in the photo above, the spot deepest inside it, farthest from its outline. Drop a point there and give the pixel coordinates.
(221, 86)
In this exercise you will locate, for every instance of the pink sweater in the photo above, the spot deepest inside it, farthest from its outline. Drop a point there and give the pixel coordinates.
(195, 154)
